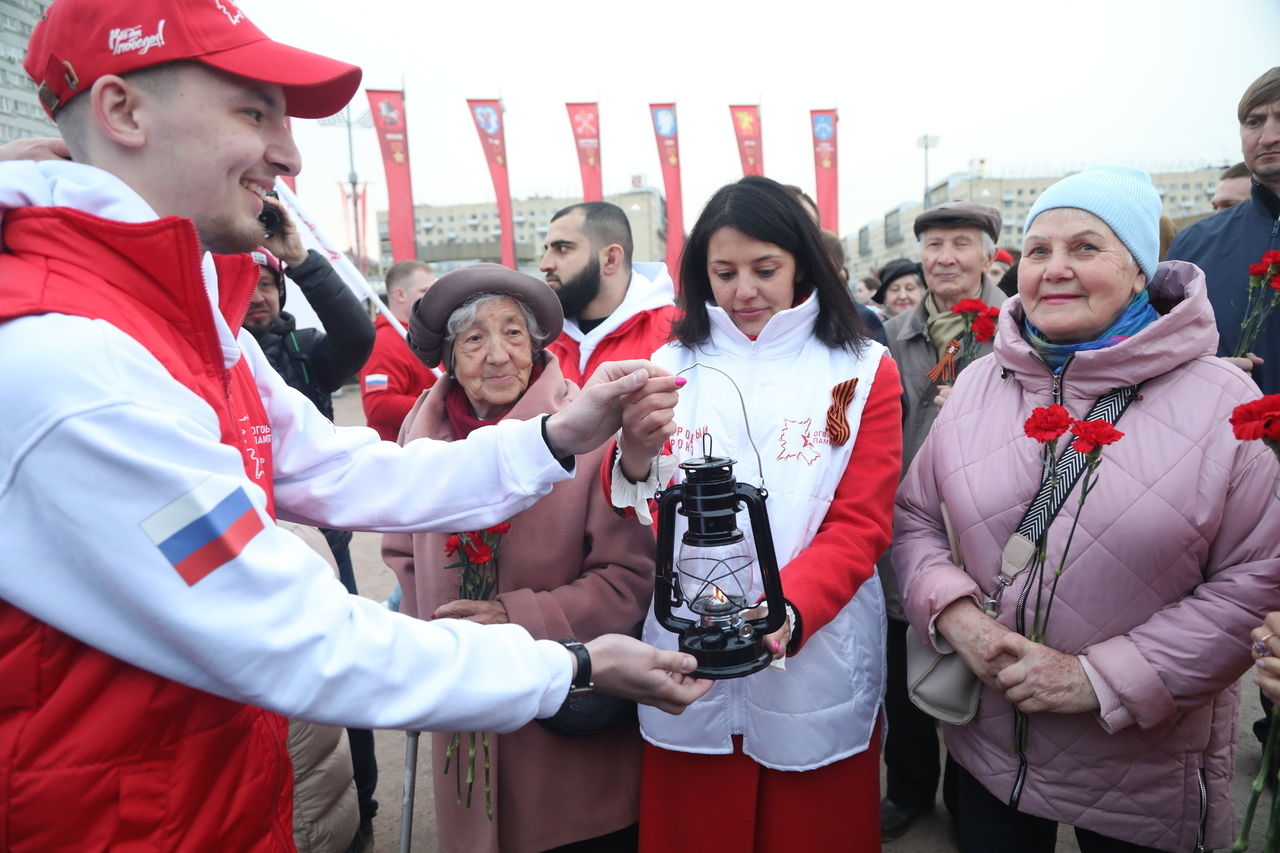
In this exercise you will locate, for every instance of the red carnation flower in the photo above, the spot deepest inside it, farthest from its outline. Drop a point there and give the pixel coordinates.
(993, 312)
(452, 544)
(1047, 423)
(1274, 282)
(969, 306)
(1257, 419)
(984, 328)
(479, 552)
(500, 529)
(1091, 435)
(1271, 257)
(1257, 270)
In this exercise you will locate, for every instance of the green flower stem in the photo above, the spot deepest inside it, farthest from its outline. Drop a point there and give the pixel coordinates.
(1255, 790)
(488, 781)
(1090, 480)
(1257, 311)
(1269, 843)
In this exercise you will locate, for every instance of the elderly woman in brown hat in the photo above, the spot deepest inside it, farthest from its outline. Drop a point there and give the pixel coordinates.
(566, 567)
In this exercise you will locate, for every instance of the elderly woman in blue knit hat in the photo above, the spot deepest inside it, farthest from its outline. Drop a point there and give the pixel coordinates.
(1101, 586)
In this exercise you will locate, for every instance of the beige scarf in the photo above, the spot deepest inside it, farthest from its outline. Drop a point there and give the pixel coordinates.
(943, 326)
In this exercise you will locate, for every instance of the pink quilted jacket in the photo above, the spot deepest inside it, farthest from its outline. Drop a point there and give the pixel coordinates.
(1176, 557)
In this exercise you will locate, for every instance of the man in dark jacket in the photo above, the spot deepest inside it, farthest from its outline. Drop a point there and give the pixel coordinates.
(1227, 243)
(317, 362)
(314, 361)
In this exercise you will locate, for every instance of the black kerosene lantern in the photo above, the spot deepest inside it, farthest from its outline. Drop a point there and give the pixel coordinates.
(715, 569)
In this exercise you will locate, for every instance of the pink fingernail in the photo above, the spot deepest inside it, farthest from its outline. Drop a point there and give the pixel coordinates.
(681, 381)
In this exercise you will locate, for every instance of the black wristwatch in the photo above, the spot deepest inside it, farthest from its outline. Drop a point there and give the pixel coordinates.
(582, 678)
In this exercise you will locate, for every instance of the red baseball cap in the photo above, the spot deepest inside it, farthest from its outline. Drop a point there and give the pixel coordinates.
(79, 41)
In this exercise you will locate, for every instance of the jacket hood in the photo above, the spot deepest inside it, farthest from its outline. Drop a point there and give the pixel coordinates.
(58, 183)
(89, 190)
(650, 287)
(283, 324)
(1184, 332)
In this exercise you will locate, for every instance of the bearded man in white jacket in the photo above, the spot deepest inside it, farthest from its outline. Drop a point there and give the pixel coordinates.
(153, 619)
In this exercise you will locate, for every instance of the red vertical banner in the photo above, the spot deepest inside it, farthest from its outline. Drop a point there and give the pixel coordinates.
(825, 166)
(667, 134)
(387, 108)
(488, 119)
(746, 127)
(585, 121)
(289, 180)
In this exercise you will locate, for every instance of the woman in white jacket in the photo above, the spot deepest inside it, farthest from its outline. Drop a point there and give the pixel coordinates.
(790, 759)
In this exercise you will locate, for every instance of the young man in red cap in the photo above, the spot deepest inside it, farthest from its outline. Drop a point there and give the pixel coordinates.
(154, 622)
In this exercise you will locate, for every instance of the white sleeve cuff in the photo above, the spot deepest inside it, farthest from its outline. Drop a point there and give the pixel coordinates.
(1112, 715)
(559, 662)
(625, 494)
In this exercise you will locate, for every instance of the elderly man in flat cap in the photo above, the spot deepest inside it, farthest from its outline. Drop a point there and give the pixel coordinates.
(957, 246)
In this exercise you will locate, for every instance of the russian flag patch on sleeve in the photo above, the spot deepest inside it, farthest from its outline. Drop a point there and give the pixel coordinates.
(204, 529)
(375, 382)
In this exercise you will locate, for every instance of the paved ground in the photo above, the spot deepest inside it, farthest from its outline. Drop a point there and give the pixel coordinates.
(930, 835)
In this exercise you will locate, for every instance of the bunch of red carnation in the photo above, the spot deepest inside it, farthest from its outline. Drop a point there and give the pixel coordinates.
(1046, 425)
(1259, 419)
(476, 552)
(979, 318)
(1264, 296)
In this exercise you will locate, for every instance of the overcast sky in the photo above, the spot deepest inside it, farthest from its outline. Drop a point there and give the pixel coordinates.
(1034, 88)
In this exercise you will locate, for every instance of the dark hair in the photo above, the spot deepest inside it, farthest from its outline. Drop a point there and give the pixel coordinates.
(1264, 90)
(767, 211)
(810, 206)
(1239, 170)
(1008, 283)
(603, 224)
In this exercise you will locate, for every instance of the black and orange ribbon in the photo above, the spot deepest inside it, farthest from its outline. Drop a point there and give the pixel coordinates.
(945, 369)
(837, 420)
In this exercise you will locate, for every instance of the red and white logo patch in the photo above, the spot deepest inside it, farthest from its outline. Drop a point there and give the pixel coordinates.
(799, 441)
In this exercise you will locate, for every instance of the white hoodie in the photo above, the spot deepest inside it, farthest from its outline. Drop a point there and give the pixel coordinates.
(650, 287)
(96, 436)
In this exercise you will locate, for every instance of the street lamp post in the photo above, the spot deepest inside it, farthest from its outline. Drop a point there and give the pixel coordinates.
(344, 119)
(926, 142)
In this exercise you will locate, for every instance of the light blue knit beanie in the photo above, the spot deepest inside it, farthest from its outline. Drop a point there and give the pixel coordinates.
(1122, 197)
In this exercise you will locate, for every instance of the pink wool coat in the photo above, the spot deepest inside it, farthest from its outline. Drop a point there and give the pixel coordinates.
(1176, 558)
(569, 567)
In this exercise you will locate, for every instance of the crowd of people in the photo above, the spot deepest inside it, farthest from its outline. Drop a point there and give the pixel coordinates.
(180, 663)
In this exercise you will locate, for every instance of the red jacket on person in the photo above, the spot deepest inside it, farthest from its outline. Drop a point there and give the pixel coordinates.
(639, 337)
(391, 381)
(635, 329)
(96, 753)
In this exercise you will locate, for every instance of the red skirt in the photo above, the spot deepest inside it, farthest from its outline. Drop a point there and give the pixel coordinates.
(690, 801)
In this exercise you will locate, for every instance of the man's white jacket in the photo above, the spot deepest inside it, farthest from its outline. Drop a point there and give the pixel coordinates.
(97, 437)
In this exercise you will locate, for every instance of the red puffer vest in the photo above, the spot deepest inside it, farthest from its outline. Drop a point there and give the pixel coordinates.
(96, 754)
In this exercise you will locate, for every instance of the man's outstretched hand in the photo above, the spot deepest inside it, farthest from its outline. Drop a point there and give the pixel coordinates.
(596, 414)
(39, 148)
(626, 667)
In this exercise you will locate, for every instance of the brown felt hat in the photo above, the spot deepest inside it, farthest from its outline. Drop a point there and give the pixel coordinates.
(429, 320)
(960, 214)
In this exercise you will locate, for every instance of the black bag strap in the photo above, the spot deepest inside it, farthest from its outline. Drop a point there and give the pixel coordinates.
(1056, 484)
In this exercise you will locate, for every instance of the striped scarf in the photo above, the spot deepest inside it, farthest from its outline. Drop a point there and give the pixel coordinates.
(1137, 316)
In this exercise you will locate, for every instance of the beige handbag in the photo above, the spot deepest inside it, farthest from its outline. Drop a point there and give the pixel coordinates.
(942, 685)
